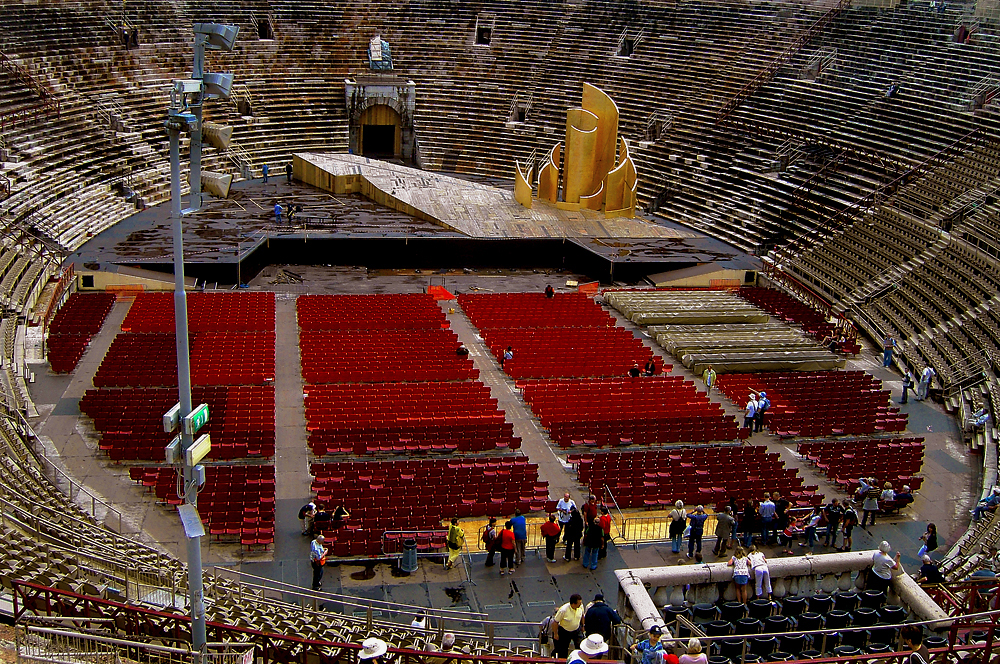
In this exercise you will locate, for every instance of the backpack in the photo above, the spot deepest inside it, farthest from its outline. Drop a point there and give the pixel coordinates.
(489, 534)
(850, 518)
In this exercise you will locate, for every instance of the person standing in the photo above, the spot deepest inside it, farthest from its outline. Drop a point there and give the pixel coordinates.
(834, 513)
(563, 508)
(491, 540)
(709, 377)
(649, 370)
(751, 412)
(766, 511)
(869, 507)
(600, 618)
(888, 346)
(277, 213)
(550, 292)
(780, 513)
(590, 509)
(912, 637)
(724, 523)
(812, 523)
(566, 625)
(550, 531)
(520, 536)
(930, 540)
(763, 403)
(850, 520)
(306, 515)
(907, 385)
(741, 573)
(456, 542)
(748, 522)
(317, 559)
(572, 533)
(880, 575)
(264, 170)
(605, 522)
(761, 572)
(924, 386)
(678, 521)
(697, 520)
(592, 539)
(507, 546)
(288, 172)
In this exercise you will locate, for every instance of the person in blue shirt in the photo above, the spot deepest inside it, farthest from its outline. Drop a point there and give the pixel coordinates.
(766, 510)
(697, 519)
(645, 652)
(263, 170)
(520, 527)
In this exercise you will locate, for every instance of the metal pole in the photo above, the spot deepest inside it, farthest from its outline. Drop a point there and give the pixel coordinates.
(190, 490)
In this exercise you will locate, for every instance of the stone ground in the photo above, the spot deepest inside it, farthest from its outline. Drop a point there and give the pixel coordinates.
(950, 486)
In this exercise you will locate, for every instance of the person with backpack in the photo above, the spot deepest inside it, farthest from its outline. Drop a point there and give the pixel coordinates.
(306, 515)
(491, 541)
(678, 522)
(456, 542)
(850, 520)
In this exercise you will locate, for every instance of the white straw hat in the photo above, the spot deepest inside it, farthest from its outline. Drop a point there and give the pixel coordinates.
(372, 648)
(594, 645)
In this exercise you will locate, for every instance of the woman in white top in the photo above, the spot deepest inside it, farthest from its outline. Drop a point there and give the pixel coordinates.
(887, 492)
(761, 572)
(741, 573)
(882, 567)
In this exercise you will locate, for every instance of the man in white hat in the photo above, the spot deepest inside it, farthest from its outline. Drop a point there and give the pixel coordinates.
(372, 649)
(592, 646)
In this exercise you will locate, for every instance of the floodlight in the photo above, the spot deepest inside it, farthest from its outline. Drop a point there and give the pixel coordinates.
(217, 135)
(218, 35)
(201, 447)
(217, 85)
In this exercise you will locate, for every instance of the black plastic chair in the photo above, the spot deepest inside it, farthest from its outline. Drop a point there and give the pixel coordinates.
(846, 601)
(857, 638)
(779, 656)
(837, 619)
(810, 654)
(774, 624)
(760, 608)
(864, 617)
(820, 604)
(705, 612)
(793, 643)
(872, 599)
(793, 606)
(886, 636)
(832, 641)
(935, 642)
(717, 628)
(763, 645)
(807, 622)
(892, 614)
(719, 659)
(748, 626)
(731, 649)
(733, 611)
(876, 648)
(846, 651)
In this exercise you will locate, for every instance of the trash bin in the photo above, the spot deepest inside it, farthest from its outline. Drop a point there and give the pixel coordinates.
(408, 563)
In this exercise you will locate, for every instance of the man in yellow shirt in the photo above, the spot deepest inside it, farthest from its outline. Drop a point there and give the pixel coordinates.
(566, 626)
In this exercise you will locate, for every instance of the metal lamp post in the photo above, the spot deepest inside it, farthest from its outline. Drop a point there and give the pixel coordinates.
(184, 116)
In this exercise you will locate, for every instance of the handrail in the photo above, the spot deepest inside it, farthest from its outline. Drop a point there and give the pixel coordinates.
(47, 96)
(607, 490)
(767, 74)
(873, 198)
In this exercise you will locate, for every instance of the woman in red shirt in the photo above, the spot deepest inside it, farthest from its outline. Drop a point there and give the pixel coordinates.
(507, 549)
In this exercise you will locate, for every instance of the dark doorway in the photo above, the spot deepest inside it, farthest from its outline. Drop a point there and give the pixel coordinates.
(264, 30)
(378, 140)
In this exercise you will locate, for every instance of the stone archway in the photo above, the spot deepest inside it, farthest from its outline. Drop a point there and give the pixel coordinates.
(378, 105)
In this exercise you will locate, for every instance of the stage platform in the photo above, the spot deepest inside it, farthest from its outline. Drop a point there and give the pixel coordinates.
(477, 224)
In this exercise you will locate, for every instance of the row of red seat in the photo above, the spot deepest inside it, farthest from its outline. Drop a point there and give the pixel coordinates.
(396, 311)
(568, 352)
(406, 495)
(390, 402)
(217, 358)
(236, 501)
(247, 311)
(889, 460)
(73, 326)
(533, 310)
(788, 309)
(241, 420)
(708, 475)
(818, 403)
(355, 356)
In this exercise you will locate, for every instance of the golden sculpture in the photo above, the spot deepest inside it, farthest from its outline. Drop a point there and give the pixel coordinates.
(598, 172)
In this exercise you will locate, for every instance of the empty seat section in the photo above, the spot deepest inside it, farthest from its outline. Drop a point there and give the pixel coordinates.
(895, 460)
(697, 475)
(73, 326)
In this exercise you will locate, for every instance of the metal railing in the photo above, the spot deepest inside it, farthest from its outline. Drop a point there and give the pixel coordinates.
(47, 98)
(767, 74)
